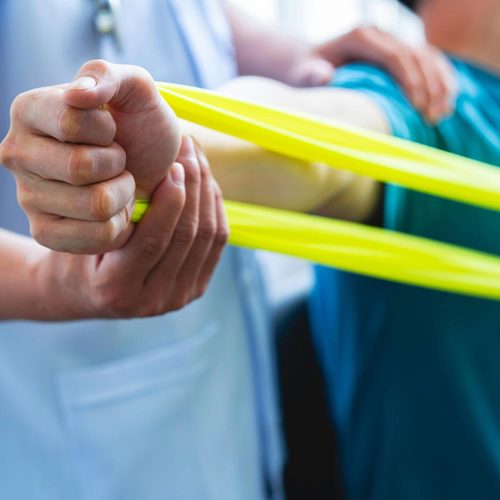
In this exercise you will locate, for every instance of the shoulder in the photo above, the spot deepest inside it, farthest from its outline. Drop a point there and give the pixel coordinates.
(404, 120)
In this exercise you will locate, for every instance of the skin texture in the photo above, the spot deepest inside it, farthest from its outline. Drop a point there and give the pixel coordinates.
(77, 163)
(76, 158)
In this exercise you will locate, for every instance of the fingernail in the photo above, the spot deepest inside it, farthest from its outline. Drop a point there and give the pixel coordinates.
(177, 174)
(83, 83)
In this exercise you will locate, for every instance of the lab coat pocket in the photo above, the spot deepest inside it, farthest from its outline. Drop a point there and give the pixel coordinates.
(131, 424)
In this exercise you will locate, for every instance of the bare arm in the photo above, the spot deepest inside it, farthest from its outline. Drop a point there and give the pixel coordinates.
(422, 71)
(248, 173)
(266, 51)
(19, 293)
(77, 166)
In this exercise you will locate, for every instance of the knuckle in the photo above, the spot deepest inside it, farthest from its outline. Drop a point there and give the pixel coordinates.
(99, 66)
(118, 158)
(185, 233)
(40, 231)
(144, 89)
(201, 290)
(10, 153)
(79, 167)
(361, 32)
(24, 195)
(143, 75)
(179, 301)
(161, 305)
(107, 232)
(355, 33)
(70, 124)
(366, 34)
(150, 247)
(150, 308)
(122, 218)
(222, 236)
(20, 104)
(112, 302)
(102, 203)
(144, 81)
(207, 232)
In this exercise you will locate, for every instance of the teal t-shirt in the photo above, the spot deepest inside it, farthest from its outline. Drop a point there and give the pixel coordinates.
(413, 375)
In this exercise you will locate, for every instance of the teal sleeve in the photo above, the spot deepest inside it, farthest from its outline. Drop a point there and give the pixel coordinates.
(404, 120)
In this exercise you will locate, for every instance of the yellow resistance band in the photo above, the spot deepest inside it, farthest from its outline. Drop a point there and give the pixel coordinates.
(349, 246)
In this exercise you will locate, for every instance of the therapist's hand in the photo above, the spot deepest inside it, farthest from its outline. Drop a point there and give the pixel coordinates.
(167, 262)
(423, 72)
(81, 151)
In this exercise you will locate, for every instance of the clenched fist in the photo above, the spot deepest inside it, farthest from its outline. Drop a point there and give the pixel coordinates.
(80, 153)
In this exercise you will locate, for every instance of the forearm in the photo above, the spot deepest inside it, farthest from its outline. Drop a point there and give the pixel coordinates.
(248, 173)
(20, 293)
(262, 50)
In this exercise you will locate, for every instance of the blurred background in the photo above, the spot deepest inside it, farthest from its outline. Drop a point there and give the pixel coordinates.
(311, 468)
(318, 20)
(324, 18)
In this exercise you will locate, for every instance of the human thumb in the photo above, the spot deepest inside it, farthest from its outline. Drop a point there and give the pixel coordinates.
(146, 127)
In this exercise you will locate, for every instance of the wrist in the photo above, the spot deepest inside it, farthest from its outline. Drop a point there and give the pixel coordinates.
(51, 299)
(46, 294)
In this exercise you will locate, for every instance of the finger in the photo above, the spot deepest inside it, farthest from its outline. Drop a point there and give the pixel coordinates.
(71, 163)
(46, 112)
(95, 202)
(446, 75)
(435, 85)
(129, 89)
(218, 245)
(372, 44)
(392, 55)
(153, 234)
(411, 79)
(207, 228)
(187, 228)
(130, 94)
(81, 237)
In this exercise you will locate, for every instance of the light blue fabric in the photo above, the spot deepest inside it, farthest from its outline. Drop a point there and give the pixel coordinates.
(180, 407)
(413, 374)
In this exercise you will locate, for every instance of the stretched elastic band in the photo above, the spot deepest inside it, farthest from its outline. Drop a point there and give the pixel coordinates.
(140, 208)
(345, 245)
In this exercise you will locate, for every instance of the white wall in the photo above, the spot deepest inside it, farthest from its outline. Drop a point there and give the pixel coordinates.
(321, 19)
